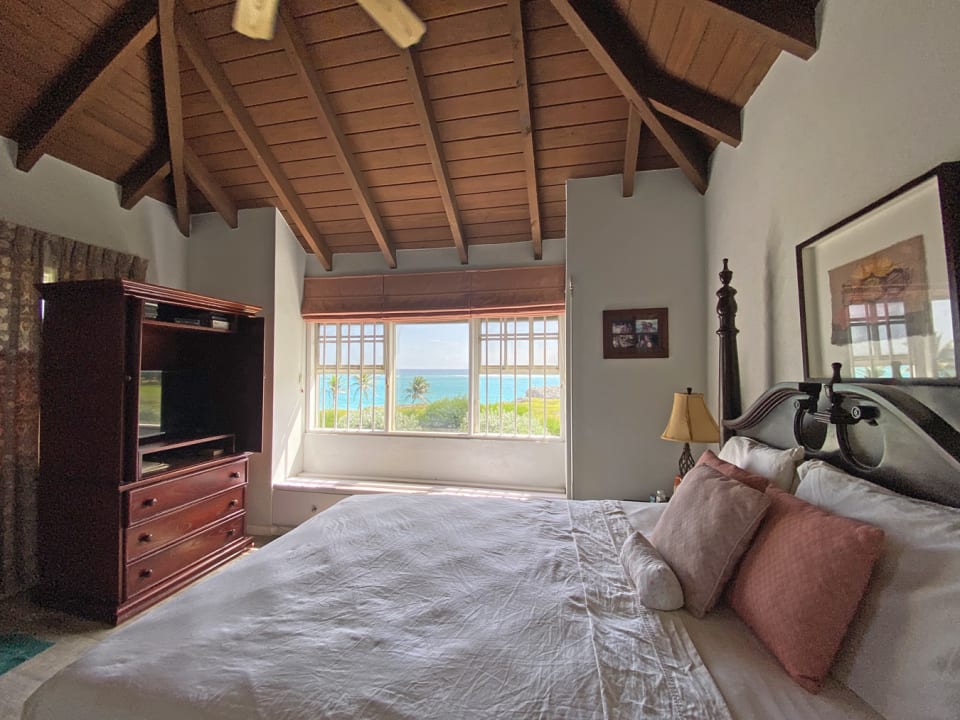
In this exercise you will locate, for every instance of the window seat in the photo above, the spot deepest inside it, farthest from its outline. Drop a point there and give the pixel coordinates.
(298, 498)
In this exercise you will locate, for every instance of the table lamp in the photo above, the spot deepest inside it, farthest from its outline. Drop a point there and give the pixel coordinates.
(690, 421)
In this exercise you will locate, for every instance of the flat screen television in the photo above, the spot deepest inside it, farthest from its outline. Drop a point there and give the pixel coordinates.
(151, 405)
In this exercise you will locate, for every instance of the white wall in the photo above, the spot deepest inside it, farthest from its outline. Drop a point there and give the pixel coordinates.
(876, 106)
(639, 252)
(238, 264)
(64, 200)
(289, 354)
(466, 460)
(480, 256)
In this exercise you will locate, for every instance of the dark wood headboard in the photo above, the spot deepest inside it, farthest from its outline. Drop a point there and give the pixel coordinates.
(901, 437)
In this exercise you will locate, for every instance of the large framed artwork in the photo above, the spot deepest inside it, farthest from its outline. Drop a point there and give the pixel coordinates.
(638, 333)
(878, 290)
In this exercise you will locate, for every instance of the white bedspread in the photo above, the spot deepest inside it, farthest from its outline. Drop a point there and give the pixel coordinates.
(404, 607)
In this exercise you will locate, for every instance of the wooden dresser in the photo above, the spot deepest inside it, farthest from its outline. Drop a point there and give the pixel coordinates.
(151, 401)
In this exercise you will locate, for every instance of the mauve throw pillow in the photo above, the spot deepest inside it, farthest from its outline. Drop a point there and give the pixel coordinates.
(704, 530)
(800, 583)
(734, 472)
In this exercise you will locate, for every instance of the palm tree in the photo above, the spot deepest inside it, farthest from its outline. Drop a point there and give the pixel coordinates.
(333, 387)
(418, 389)
(361, 385)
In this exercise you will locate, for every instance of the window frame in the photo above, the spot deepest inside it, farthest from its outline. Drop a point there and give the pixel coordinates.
(474, 375)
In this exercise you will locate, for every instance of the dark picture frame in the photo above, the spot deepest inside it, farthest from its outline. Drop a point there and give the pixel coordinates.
(637, 333)
(878, 290)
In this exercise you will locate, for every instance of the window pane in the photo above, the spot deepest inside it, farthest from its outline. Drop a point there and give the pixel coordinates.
(519, 384)
(349, 390)
(432, 377)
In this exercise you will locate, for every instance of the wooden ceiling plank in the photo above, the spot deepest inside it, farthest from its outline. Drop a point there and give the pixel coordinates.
(173, 105)
(787, 24)
(202, 59)
(526, 123)
(424, 110)
(631, 151)
(115, 45)
(142, 178)
(290, 39)
(610, 40)
(210, 188)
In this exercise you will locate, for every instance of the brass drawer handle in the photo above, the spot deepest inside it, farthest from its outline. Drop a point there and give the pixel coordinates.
(235, 474)
(150, 502)
(146, 537)
(146, 572)
(231, 532)
(233, 503)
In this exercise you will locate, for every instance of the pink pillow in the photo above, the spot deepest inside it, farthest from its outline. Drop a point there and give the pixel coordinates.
(734, 472)
(704, 530)
(800, 583)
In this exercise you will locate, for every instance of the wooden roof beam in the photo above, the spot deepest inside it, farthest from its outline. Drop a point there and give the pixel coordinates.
(143, 177)
(790, 25)
(424, 110)
(208, 185)
(609, 39)
(174, 111)
(631, 151)
(216, 81)
(526, 124)
(290, 39)
(130, 29)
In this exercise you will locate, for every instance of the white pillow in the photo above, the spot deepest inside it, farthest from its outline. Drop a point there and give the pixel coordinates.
(655, 581)
(902, 651)
(777, 466)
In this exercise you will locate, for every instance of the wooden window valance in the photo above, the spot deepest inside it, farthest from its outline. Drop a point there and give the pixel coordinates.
(436, 295)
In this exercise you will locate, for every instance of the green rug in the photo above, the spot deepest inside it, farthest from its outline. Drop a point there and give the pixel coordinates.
(16, 648)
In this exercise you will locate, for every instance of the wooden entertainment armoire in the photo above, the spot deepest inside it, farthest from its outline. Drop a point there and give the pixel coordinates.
(151, 400)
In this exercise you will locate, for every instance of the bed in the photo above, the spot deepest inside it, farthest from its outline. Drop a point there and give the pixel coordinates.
(452, 607)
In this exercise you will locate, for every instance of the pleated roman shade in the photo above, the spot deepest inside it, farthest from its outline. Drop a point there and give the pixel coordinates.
(435, 295)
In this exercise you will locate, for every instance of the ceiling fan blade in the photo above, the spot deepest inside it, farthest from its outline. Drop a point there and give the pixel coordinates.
(397, 20)
(255, 18)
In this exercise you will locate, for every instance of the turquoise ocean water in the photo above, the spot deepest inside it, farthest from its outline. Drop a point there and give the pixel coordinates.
(443, 384)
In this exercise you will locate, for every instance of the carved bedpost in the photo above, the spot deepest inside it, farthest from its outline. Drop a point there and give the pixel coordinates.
(730, 407)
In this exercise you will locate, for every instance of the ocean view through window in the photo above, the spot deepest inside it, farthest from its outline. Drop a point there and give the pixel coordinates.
(483, 377)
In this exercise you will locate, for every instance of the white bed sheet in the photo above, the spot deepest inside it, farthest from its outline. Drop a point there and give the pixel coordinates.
(404, 607)
(751, 680)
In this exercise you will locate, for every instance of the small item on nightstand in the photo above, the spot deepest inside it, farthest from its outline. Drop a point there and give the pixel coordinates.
(676, 482)
(659, 497)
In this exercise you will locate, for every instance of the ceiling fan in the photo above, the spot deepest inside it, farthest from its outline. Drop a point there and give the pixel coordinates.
(257, 18)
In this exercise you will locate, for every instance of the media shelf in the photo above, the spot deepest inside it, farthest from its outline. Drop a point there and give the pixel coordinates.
(154, 397)
(170, 454)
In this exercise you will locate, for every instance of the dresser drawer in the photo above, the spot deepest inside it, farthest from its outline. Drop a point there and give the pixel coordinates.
(154, 534)
(149, 571)
(147, 502)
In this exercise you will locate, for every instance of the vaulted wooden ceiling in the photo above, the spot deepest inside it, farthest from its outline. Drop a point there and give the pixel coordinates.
(466, 138)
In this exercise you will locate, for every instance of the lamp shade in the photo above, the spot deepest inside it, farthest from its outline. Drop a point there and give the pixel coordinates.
(690, 420)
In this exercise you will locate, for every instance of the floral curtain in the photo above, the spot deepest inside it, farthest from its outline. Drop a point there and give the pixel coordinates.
(27, 257)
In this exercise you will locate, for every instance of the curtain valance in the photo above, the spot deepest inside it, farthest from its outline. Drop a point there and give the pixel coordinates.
(436, 295)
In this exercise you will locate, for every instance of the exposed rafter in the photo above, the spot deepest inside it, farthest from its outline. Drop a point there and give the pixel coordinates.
(209, 186)
(631, 150)
(143, 177)
(289, 37)
(421, 102)
(216, 81)
(526, 123)
(608, 38)
(113, 46)
(790, 25)
(174, 111)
